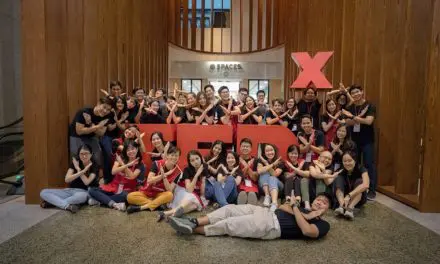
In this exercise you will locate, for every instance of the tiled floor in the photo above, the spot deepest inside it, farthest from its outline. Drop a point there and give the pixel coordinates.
(16, 216)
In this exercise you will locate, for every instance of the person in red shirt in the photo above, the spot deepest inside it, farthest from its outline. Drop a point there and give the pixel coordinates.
(189, 188)
(126, 170)
(160, 184)
(248, 186)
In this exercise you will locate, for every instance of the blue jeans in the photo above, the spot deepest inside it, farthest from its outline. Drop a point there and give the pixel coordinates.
(273, 182)
(62, 198)
(107, 198)
(369, 161)
(106, 145)
(222, 194)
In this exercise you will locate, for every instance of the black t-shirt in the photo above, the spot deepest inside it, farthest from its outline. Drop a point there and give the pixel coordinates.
(219, 110)
(351, 177)
(79, 118)
(181, 112)
(78, 183)
(269, 114)
(319, 138)
(291, 230)
(366, 133)
(279, 166)
(148, 118)
(111, 121)
(250, 120)
(197, 113)
(132, 113)
(311, 108)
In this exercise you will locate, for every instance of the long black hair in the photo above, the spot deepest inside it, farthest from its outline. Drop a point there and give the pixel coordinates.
(222, 155)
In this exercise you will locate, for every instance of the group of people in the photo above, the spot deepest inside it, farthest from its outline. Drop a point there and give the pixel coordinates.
(323, 171)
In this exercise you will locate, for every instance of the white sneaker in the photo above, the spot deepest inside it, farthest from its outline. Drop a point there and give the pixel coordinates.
(267, 201)
(339, 211)
(349, 214)
(120, 206)
(273, 207)
(93, 202)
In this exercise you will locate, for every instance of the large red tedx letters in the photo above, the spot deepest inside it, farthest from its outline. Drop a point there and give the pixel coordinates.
(311, 69)
(188, 136)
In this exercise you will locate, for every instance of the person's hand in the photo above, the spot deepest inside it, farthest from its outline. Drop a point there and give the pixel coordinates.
(154, 154)
(142, 104)
(346, 201)
(284, 114)
(87, 118)
(119, 160)
(200, 170)
(264, 160)
(225, 110)
(273, 113)
(347, 113)
(303, 140)
(334, 146)
(338, 114)
(102, 123)
(212, 160)
(275, 164)
(234, 170)
(76, 164)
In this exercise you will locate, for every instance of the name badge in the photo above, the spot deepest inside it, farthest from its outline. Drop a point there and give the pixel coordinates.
(357, 128)
(294, 128)
(337, 166)
(309, 157)
(248, 183)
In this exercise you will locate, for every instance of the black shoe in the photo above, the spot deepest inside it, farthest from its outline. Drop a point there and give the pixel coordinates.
(163, 207)
(181, 225)
(160, 216)
(72, 208)
(371, 196)
(133, 209)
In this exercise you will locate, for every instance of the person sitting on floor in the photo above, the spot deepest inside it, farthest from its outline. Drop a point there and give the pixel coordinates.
(82, 173)
(160, 184)
(250, 221)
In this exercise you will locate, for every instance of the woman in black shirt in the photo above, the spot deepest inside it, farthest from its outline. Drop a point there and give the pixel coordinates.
(340, 144)
(351, 186)
(250, 113)
(152, 114)
(292, 116)
(275, 115)
(203, 112)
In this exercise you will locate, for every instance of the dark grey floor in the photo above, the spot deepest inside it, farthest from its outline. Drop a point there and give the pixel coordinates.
(100, 235)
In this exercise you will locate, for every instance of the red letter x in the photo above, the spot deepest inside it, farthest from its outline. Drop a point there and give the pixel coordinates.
(311, 69)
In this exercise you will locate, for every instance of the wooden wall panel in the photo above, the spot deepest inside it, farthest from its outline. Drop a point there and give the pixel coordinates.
(72, 49)
(431, 167)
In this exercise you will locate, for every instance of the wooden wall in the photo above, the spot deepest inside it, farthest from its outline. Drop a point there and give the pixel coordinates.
(388, 47)
(70, 50)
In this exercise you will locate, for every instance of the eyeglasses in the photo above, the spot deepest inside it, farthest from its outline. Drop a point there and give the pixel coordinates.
(85, 154)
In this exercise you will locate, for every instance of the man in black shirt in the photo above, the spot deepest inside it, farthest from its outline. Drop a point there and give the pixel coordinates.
(360, 117)
(250, 221)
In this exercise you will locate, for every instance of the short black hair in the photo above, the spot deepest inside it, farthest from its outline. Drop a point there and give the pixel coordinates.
(246, 140)
(171, 97)
(306, 116)
(106, 100)
(222, 88)
(208, 86)
(354, 87)
(279, 100)
(326, 195)
(261, 91)
(115, 83)
(137, 89)
(242, 89)
(161, 89)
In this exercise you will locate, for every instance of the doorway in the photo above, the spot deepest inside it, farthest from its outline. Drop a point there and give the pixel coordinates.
(233, 86)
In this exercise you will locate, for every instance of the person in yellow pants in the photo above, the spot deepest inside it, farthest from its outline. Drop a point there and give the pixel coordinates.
(161, 181)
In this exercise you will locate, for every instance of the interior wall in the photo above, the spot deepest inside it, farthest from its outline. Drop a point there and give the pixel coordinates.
(71, 49)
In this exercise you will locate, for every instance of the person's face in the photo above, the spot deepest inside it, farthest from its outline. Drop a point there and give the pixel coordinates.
(306, 125)
(341, 133)
(320, 203)
(269, 151)
(171, 102)
(191, 99)
(326, 158)
(130, 103)
(243, 95)
(84, 156)
(260, 97)
(290, 103)
(245, 148)
(159, 93)
(356, 94)
(209, 92)
(104, 109)
(348, 162)
(156, 141)
(140, 94)
(249, 103)
(130, 132)
(202, 100)
(224, 94)
(230, 160)
(155, 106)
(132, 152)
(277, 107)
(293, 155)
(172, 158)
(195, 161)
(310, 95)
(182, 99)
(217, 149)
(342, 100)
(331, 106)
(116, 90)
(120, 105)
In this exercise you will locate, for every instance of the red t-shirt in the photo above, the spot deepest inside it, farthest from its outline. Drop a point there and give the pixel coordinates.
(153, 189)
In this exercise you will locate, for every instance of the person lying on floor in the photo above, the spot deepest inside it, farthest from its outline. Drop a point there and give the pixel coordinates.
(250, 221)
(82, 173)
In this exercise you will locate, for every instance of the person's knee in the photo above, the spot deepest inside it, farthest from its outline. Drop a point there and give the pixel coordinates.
(43, 193)
(168, 196)
(81, 196)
